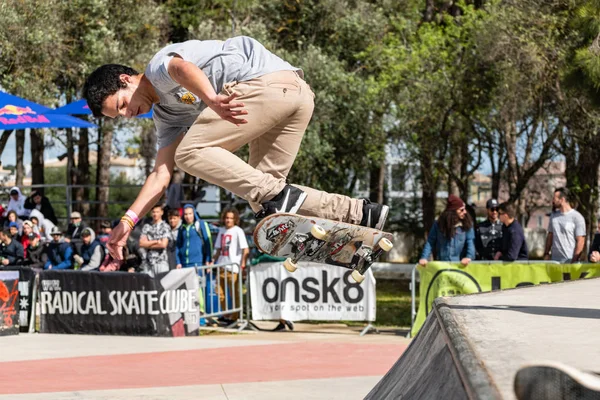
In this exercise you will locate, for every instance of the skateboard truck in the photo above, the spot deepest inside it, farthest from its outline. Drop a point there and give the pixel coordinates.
(366, 256)
(302, 242)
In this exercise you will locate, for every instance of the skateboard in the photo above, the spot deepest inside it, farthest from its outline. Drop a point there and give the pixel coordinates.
(321, 240)
(554, 381)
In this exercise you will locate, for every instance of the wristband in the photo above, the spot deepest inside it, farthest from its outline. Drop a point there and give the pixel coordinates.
(128, 221)
(133, 216)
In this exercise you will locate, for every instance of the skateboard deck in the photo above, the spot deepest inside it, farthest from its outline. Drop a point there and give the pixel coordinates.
(331, 242)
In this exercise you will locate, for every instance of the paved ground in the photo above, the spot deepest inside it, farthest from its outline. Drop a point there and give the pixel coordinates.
(316, 362)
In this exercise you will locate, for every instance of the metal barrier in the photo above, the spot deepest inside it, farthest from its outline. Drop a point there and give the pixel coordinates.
(222, 293)
(413, 283)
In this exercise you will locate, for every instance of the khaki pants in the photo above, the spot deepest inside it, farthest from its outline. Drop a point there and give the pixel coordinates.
(227, 287)
(279, 107)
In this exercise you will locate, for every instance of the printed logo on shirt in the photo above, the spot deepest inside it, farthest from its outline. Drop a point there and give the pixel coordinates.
(225, 243)
(186, 98)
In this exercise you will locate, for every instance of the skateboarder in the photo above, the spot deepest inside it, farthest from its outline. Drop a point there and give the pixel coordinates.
(210, 98)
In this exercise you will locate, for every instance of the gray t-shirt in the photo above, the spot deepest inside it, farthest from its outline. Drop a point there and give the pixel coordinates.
(237, 59)
(565, 228)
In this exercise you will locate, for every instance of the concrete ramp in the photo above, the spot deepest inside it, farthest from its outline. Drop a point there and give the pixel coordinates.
(471, 346)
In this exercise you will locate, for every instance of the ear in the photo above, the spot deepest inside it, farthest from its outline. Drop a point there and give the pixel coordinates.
(125, 79)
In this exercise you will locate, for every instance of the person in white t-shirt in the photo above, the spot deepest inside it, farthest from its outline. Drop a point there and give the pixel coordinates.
(231, 247)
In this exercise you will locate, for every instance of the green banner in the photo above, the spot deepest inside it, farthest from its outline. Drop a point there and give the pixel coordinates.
(450, 279)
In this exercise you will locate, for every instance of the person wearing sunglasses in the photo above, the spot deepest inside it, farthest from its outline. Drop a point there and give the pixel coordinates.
(488, 236)
(452, 235)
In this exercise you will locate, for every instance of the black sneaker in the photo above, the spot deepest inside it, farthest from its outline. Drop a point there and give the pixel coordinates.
(374, 215)
(287, 201)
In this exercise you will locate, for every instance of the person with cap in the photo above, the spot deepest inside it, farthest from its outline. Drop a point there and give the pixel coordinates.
(75, 227)
(92, 253)
(452, 235)
(27, 231)
(488, 236)
(105, 230)
(37, 201)
(60, 253)
(42, 225)
(17, 203)
(35, 256)
(11, 251)
(13, 228)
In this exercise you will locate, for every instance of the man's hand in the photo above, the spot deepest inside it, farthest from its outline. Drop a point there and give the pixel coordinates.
(423, 262)
(117, 240)
(465, 261)
(594, 257)
(547, 257)
(5, 261)
(225, 107)
(178, 266)
(497, 256)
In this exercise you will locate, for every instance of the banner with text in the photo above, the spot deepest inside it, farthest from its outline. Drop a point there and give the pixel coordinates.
(26, 284)
(449, 279)
(313, 292)
(119, 303)
(9, 303)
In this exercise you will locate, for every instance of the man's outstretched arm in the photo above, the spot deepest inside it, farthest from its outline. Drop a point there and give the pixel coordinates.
(154, 187)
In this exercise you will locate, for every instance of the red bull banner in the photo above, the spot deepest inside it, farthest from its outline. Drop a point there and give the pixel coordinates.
(9, 303)
(12, 115)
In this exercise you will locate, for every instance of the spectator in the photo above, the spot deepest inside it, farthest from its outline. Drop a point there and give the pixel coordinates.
(12, 217)
(194, 243)
(13, 228)
(59, 252)
(514, 246)
(488, 238)
(231, 248)
(155, 239)
(452, 235)
(175, 223)
(36, 255)
(17, 203)
(92, 253)
(27, 231)
(105, 230)
(594, 255)
(566, 230)
(75, 227)
(37, 201)
(11, 250)
(44, 226)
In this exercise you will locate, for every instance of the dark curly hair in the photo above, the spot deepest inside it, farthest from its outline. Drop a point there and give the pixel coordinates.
(104, 82)
(448, 221)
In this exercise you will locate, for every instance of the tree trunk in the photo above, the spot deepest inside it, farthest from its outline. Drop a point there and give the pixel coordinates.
(20, 171)
(4, 139)
(103, 191)
(586, 179)
(83, 172)
(429, 192)
(148, 149)
(71, 167)
(377, 182)
(37, 156)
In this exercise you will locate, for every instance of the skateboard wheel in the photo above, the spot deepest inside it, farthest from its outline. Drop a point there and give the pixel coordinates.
(318, 232)
(290, 265)
(385, 244)
(357, 276)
